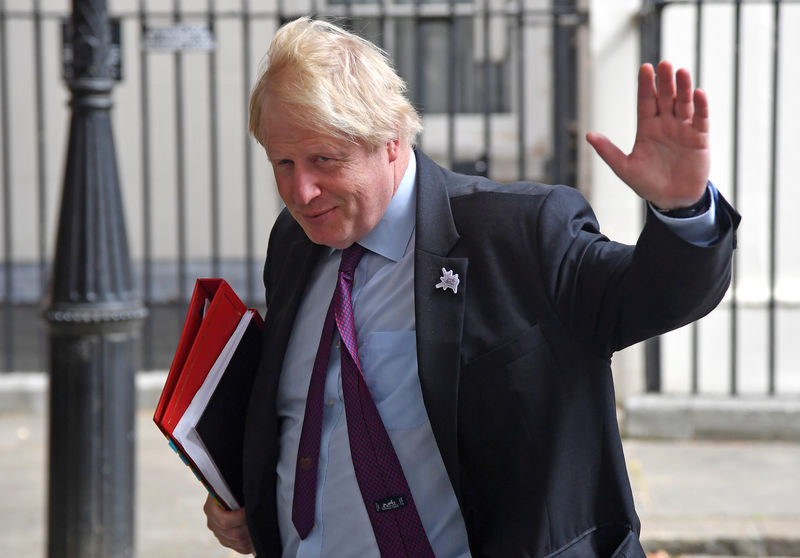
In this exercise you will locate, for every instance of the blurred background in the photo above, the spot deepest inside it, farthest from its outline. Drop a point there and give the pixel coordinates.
(507, 89)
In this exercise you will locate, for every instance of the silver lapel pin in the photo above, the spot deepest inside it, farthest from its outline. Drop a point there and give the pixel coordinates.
(448, 280)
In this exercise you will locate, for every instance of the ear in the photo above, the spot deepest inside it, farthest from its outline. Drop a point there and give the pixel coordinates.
(393, 149)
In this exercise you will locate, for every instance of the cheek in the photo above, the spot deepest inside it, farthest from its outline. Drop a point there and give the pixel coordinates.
(284, 187)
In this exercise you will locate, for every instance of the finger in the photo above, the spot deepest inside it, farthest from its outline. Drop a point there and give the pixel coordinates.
(210, 506)
(684, 105)
(216, 516)
(229, 527)
(236, 537)
(665, 86)
(608, 152)
(700, 120)
(227, 520)
(646, 100)
(238, 540)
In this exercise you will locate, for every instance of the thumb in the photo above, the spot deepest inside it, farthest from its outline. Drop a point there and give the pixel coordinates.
(608, 152)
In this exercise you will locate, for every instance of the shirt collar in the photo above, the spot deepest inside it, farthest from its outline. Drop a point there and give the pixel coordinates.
(390, 237)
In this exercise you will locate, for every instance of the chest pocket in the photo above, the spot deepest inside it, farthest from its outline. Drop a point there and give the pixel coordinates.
(389, 359)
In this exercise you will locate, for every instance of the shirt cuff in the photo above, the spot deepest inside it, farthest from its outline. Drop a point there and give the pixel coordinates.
(700, 230)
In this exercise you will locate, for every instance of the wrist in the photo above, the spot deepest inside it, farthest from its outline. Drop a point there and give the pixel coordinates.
(698, 208)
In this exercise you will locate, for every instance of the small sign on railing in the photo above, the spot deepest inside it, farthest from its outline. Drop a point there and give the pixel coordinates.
(178, 38)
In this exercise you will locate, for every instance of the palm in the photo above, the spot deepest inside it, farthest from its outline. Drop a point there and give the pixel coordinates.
(670, 160)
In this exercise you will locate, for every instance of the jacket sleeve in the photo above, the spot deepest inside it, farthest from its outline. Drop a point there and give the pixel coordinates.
(612, 295)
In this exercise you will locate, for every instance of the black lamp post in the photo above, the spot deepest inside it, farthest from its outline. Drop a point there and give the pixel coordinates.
(94, 315)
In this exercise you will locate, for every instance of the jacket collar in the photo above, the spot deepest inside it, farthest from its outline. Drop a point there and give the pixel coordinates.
(439, 313)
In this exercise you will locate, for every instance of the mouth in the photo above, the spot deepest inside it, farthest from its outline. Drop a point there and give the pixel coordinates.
(317, 216)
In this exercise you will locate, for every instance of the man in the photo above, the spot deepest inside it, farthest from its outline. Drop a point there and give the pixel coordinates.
(485, 317)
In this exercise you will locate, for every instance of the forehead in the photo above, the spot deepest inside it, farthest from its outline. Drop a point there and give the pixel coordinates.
(285, 137)
(280, 129)
(284, 141)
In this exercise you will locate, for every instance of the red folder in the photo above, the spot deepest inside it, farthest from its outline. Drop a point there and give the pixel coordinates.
(215, 312)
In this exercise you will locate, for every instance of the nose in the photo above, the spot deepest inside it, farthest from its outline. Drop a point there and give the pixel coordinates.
(304, 185)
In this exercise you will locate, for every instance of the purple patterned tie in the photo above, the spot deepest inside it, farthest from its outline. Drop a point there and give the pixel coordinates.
(390, 506)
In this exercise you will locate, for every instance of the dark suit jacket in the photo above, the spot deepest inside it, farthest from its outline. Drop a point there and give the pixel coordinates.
(515, 367)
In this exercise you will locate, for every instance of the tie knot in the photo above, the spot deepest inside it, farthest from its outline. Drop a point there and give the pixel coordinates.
(350, 258)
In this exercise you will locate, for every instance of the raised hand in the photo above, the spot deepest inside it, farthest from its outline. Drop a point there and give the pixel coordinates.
(670, 160)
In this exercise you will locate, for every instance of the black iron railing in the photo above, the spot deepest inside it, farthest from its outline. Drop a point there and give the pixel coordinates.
(762, 307)
(198, 195)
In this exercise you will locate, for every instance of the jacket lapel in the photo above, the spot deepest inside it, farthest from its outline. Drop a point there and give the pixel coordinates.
(299, 260)
(301, 257)
(439, 312)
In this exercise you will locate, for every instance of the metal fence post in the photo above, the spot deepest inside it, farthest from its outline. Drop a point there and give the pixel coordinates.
(650, 51)
(650, 31)
(94, 315)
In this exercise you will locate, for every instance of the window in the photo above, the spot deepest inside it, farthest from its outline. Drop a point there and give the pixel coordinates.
(438, 48)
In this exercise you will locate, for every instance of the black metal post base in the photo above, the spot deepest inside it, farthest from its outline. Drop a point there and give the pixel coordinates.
(91, 507)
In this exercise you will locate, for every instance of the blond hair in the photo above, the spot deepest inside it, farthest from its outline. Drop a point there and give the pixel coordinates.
(336, 82)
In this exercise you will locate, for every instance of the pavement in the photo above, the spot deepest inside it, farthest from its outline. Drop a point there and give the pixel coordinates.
(695, 498)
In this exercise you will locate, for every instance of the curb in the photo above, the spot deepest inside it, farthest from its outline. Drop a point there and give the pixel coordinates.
(722, 536)
(726, 546)
(712, 418)
(27, 392)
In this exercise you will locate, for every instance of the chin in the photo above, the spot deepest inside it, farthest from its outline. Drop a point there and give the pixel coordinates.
(336, 242)
(337, 238)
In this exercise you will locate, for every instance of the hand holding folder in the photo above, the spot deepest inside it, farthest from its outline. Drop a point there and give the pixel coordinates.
(203, 404)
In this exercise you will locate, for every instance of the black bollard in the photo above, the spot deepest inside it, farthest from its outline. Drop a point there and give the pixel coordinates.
(94, 315)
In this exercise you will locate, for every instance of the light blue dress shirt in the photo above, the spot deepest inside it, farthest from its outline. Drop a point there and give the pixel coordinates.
(383, 306)
(700, 229)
